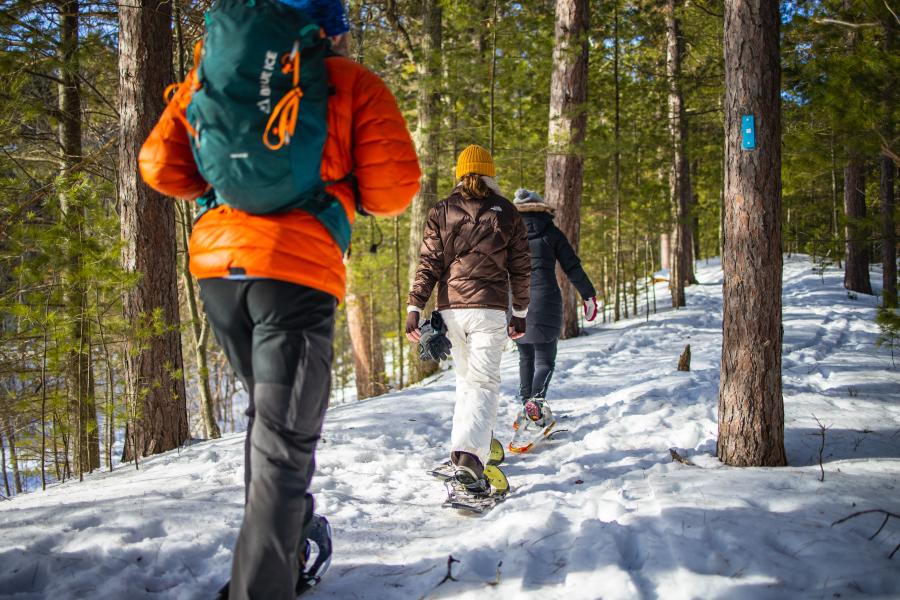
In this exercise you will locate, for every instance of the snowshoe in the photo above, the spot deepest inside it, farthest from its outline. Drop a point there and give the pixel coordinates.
(317, 557)
(535, 423)
(466, 491)
(315, 561)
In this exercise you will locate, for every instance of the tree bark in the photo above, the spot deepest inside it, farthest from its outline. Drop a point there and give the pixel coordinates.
(856, 265)
(681, 271)
(751, 407)
(79, 370)
(365, 338)
(3, 463)
(428, 105)
(199, 329)
(153, 373)
(565, 136)
(13, 454)
(617, 160)
(888, 174)
(888, 233)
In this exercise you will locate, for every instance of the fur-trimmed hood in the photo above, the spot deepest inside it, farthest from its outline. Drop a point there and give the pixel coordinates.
(535, 207)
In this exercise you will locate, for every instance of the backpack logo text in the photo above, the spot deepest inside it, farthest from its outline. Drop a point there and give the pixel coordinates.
(265, 77)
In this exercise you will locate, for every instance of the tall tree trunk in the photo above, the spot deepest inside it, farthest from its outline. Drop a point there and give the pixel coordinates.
(153, 376)
(565, 135)
(365, 338)
(888, 232)
(888, 173)
(199, 329)
(681, 271)
(399, 309)
(856, 265)
(428, 105)
(835, 235)
(751, 407)
(493, 76)
(617, 161)
(3, 464)
(79, 370)
(13, 454)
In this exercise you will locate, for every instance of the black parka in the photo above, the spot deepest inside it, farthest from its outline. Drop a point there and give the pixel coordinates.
(548, 245)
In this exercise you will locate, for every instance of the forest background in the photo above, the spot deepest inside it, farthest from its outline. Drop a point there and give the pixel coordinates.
(90, 377)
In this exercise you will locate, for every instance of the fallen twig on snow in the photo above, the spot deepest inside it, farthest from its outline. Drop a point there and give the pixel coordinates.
(496, 580)
(679, 458)
(887, 516)
(448, 577)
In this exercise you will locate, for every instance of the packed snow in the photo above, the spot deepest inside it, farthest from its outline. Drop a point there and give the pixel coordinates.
(605, 514)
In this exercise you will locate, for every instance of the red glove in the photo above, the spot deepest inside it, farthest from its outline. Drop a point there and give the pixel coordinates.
(590, 309)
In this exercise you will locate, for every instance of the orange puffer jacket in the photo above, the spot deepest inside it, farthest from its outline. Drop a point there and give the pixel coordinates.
(366, 134)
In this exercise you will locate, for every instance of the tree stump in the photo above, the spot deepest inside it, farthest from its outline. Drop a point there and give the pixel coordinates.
(684, 361)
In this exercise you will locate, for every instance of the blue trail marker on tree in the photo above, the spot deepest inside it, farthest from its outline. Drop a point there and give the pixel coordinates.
(748, 133)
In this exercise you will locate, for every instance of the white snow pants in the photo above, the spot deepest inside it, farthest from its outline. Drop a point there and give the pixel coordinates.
(478, 336)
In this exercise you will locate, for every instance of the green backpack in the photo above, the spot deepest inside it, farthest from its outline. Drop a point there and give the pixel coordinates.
(260, 114)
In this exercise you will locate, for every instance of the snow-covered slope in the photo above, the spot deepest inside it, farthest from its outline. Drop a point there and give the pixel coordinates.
(607, 514)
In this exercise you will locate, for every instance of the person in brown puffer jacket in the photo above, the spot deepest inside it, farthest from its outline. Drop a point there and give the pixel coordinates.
(475, 250)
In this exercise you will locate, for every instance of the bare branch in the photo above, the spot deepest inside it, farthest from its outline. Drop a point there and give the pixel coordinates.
(887, 516)
(845, 23)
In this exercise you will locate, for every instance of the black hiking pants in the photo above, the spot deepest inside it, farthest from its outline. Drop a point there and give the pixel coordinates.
(536, 364)
(277, 337)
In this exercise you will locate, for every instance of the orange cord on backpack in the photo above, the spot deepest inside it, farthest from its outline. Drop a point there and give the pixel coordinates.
(169, 95)
(288, 107)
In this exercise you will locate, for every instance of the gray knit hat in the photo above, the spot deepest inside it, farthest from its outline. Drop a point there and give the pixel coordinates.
(523, 195)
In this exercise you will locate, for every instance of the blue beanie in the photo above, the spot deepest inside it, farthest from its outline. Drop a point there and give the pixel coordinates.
(328, 14)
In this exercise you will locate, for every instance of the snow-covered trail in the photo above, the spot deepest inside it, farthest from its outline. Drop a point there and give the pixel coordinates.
(606, 514)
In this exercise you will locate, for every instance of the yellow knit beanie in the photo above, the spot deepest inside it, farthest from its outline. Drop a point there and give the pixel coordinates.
(475, 159)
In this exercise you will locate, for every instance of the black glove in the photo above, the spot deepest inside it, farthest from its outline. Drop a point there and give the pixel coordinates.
(516, 327)
(433, 343)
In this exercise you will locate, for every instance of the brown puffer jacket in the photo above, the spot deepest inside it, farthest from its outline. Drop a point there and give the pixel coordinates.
(475, 250)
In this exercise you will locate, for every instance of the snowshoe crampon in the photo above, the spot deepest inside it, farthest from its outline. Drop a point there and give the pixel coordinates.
(476, 498)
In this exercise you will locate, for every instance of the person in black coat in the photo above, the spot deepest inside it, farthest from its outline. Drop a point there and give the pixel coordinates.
(537, 348)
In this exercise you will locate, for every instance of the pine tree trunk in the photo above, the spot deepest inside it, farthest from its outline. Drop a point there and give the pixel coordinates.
(199, 329)
(565, 136)
(3, 463)
(888, 174)
(751, 408)
(665, 252)
(79, 370)
(428, 105)
(153, 374)
(13, 454)
(400, 311)
(681, 271)
(888, 233)
(365, 339)
(617, 159)
(856, 266)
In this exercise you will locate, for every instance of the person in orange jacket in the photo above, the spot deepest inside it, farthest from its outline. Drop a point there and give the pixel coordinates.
(270, 285)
